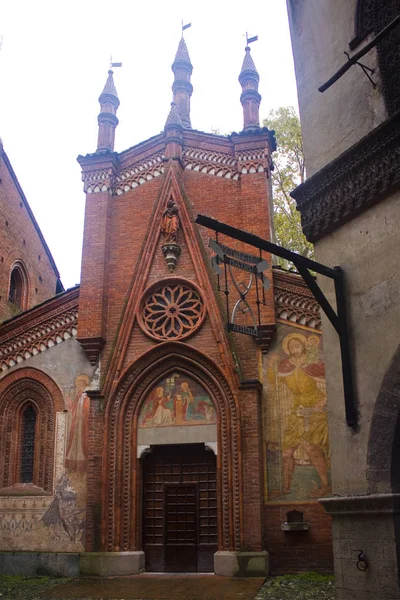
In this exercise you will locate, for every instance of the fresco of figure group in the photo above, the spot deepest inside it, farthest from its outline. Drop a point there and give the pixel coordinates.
(176, 400)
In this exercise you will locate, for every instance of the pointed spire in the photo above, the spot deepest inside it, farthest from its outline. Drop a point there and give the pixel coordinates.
(250, 98)
(107, 118)
(109, 88)
(173, 117)
(182, 88)
(248, 63)
(182, 54)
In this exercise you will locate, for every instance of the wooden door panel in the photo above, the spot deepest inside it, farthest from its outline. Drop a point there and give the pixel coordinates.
(180, 531)
(181, 527)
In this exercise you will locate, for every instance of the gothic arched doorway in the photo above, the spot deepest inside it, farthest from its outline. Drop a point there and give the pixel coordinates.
(180, 528)
(148, 411)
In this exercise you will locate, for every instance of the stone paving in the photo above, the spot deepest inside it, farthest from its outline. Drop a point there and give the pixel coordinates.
(168, 587)
(161, 587)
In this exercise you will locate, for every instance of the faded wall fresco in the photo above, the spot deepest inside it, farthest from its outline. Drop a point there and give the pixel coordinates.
(295, 418)
(78, 405)
(42, 522)
(55, 522)
(177, 400)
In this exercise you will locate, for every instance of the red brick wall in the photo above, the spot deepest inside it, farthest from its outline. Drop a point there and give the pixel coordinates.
(297, 551)
(116, 231)
(93, 541)
(20, 241)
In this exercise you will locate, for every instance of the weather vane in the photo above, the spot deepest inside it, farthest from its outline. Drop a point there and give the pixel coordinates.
(249, 40)
(185, 26)
(114, 64)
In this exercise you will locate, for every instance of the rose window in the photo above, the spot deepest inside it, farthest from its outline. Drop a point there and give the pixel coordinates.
(171, 312)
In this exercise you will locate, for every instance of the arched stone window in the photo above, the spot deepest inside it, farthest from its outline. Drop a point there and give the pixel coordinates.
(29, 401)
(28, 444)
(18, 288)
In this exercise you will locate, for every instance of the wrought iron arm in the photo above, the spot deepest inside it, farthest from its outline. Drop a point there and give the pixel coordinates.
(303, 264)
(354, 60)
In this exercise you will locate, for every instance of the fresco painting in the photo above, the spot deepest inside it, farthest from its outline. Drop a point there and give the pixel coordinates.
(177, 400)
(44, 523)
(78, 408)
(295, 419)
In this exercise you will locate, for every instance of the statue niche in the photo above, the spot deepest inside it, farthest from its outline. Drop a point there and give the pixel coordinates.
(170, 226)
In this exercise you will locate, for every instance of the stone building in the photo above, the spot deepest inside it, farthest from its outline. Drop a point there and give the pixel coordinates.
(350, 210)
(136, 431)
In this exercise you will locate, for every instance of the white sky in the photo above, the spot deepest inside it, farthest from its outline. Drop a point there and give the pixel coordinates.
(53, 66)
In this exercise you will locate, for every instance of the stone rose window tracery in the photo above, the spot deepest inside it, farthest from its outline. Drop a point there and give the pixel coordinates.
(171, 311)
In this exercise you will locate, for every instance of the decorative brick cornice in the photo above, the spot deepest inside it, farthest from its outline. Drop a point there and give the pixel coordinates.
(210, 162)
(254, 160)
(38, 329)
(365, 174)
(138, 173)
(293, 300)
(98, 180)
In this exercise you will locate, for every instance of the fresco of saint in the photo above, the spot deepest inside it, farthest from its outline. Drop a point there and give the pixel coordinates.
(177, 400)
(78, 407)
(300, 435)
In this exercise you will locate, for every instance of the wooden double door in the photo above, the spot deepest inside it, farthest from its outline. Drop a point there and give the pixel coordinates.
(180, 529)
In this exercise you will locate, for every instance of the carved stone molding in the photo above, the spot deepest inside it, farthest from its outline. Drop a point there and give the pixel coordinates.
(266, 335)
(212, 446)
(378, 504)
(92, 348)
(365, 174)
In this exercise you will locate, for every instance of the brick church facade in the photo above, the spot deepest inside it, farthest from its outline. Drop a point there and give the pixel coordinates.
(136, 432)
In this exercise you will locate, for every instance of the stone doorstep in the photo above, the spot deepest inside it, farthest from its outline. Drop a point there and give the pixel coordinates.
(227, 564)
(241, 564)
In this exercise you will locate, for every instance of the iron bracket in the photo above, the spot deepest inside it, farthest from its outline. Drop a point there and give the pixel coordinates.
(304, 265)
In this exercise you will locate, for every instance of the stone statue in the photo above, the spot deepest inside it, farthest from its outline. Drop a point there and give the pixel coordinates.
(170, 223)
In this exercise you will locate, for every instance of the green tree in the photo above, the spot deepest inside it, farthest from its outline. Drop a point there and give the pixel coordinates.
(288, 173)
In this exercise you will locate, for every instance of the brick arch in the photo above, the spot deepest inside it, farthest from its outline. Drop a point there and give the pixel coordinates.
(19, 270)
(371, 17)
(121, 467)
(17, 390)
(383, 460)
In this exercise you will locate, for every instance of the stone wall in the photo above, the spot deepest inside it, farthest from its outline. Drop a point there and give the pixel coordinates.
(338, 118)
(350, 209)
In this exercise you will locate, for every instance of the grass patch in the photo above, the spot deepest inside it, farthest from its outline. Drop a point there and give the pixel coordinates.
(26, 588)
(303, 586)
